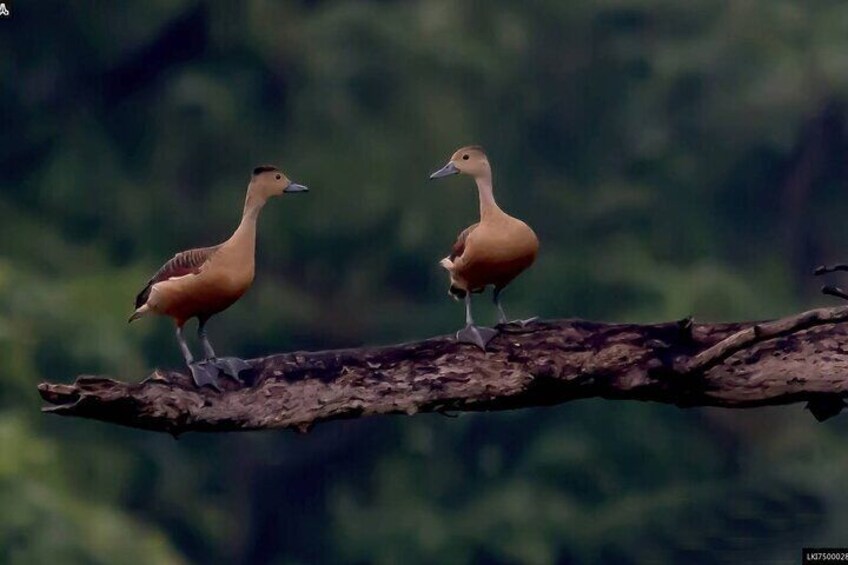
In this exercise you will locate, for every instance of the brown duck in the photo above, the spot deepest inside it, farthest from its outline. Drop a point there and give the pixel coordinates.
(199, 283)
(491, 252)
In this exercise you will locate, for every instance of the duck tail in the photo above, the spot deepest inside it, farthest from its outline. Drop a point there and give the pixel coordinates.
(142, 311)
(446, 264)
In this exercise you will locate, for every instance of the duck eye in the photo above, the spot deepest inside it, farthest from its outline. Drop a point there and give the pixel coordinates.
(279, 177)
(465, 157)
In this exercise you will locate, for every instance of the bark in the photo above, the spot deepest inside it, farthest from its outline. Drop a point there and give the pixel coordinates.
(802, 358)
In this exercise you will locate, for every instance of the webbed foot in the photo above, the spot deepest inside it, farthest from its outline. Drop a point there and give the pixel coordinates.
(230, 366)
(204, 374)
(475, 335)
(522, 323)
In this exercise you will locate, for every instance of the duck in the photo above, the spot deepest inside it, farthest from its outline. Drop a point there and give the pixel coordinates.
(491, 252)
(202, 282)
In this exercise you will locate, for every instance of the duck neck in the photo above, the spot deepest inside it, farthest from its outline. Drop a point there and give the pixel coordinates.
(244, 237)
(488, 206)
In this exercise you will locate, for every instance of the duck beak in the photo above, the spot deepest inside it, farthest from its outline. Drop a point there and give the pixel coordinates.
(294, 187)
(446, 171)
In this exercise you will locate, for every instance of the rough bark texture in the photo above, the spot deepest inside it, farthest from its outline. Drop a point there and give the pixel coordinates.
(737, 365)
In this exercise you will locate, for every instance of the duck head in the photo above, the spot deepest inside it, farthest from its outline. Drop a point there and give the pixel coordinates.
(267, 181)
(469, 160)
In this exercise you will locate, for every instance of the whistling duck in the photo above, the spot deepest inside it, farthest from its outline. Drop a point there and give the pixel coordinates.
(199, 283)
(491, 252)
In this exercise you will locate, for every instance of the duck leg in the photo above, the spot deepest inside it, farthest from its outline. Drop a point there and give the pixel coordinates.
(502, 319)
(473, 334)
(230, 366)
(203, 374)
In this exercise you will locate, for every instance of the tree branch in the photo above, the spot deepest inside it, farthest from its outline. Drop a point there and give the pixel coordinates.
(736, 365)
(761, 332)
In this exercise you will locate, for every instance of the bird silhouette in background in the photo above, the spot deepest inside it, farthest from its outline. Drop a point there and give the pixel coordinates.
(828, 289)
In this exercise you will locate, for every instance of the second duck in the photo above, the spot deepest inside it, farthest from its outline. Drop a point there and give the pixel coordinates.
(493, 251)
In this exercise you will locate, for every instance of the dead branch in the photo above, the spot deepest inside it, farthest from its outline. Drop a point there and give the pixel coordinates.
(802, 358)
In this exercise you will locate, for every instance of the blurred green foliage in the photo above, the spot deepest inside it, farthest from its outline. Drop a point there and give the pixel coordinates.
(675, 159)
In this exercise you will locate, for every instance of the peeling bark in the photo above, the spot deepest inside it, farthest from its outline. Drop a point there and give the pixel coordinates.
(735, 365)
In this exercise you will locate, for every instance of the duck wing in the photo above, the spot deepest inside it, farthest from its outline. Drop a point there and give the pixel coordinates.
(459, 247)
(185, 263)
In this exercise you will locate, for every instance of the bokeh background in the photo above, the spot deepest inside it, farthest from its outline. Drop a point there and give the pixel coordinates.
(675, 158)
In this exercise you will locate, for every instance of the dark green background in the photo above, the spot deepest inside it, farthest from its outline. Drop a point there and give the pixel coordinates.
(675, 158)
